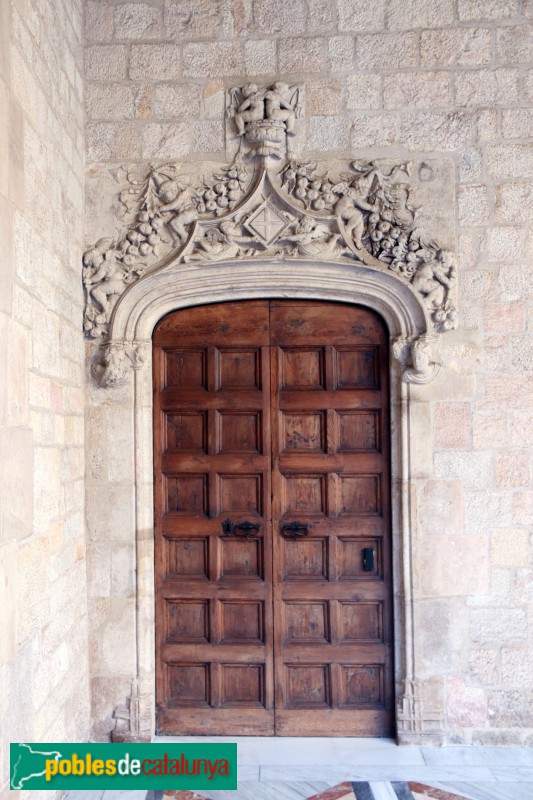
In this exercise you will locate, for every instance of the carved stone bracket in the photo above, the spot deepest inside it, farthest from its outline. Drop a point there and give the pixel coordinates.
(117, 360)
(362, 215)
(417, 357)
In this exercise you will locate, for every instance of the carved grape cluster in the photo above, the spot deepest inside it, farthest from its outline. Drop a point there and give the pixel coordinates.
(392, 243)
(144, 239)
(388, 239)
(224, 193)
(314, 192)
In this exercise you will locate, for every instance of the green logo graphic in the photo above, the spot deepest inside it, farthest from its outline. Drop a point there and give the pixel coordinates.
(123, 766)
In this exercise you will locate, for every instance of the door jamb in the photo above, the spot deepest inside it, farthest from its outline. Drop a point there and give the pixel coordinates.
(135, 317)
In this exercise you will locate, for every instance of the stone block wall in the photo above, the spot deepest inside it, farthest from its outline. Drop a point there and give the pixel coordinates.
(388, 78)
(43, 633)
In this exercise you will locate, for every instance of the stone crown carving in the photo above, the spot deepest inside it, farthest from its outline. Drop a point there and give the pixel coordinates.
(265, 120)
(362, 215)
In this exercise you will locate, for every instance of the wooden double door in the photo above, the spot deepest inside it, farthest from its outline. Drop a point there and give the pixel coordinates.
(272, 514)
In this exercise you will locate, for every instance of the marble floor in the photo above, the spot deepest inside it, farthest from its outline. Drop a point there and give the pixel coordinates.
(297, 768)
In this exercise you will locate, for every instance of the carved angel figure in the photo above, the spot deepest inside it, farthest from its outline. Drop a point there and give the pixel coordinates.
(252, 108)
(280, 106)
(178, 201)
(103, 271)
(224, 241)
(433, 278)
(349, 209)
(314, 239)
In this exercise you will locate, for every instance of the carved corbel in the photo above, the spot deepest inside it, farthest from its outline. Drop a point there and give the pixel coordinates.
(138, 354)
(118, 359)
(416, 356)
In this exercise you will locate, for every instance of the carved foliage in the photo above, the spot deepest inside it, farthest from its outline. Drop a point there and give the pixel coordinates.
(162, 208)
(374, 213)
(364, 214)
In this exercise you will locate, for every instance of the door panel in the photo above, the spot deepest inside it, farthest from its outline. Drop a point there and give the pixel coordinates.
(212, 464)
(332, 643)
(272, 621)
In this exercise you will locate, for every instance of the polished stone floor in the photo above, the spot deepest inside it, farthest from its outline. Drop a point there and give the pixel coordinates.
(297, 768)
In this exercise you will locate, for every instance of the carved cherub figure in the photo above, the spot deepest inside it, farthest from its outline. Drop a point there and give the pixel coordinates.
(215, 244)
(434, 278)
(278, 106)
(252, 109)
(178, 200)
(224, 241)
(314, 239)
(105, 273)
(349, 208)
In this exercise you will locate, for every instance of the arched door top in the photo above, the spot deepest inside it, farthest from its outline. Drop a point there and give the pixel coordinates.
(288, 233)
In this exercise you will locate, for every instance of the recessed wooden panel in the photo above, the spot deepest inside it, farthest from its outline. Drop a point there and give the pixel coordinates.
(243, 685)
(359, 431)
(308, 686)
(188, 557)
(240, 494)
(242, 621)
(186, 368)
(362, 685)
(303, 432)
(304, 494)
(357, 367)
(188, 684)
(350, 553)
(240, 432)
(239, 368)
(361, 621)
(241, 558)
(186, 432)
(302, 368)
(360, 494)
(305, 558)
(307, 622)
(186, 494)
(187, 620)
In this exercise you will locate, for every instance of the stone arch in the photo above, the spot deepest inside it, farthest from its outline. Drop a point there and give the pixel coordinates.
(178, 286)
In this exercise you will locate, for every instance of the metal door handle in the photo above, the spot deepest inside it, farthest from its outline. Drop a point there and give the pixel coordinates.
(295, 529)
(244, 529)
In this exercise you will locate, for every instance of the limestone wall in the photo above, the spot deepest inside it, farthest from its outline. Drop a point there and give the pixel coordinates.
(43, 632)
(384, 78)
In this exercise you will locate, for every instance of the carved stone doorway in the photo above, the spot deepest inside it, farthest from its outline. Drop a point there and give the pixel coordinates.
(273, 239)
(272, 516)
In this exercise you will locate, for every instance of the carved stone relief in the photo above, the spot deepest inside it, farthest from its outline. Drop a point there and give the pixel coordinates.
(265, 121)
(360, 213)
(360, 231)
